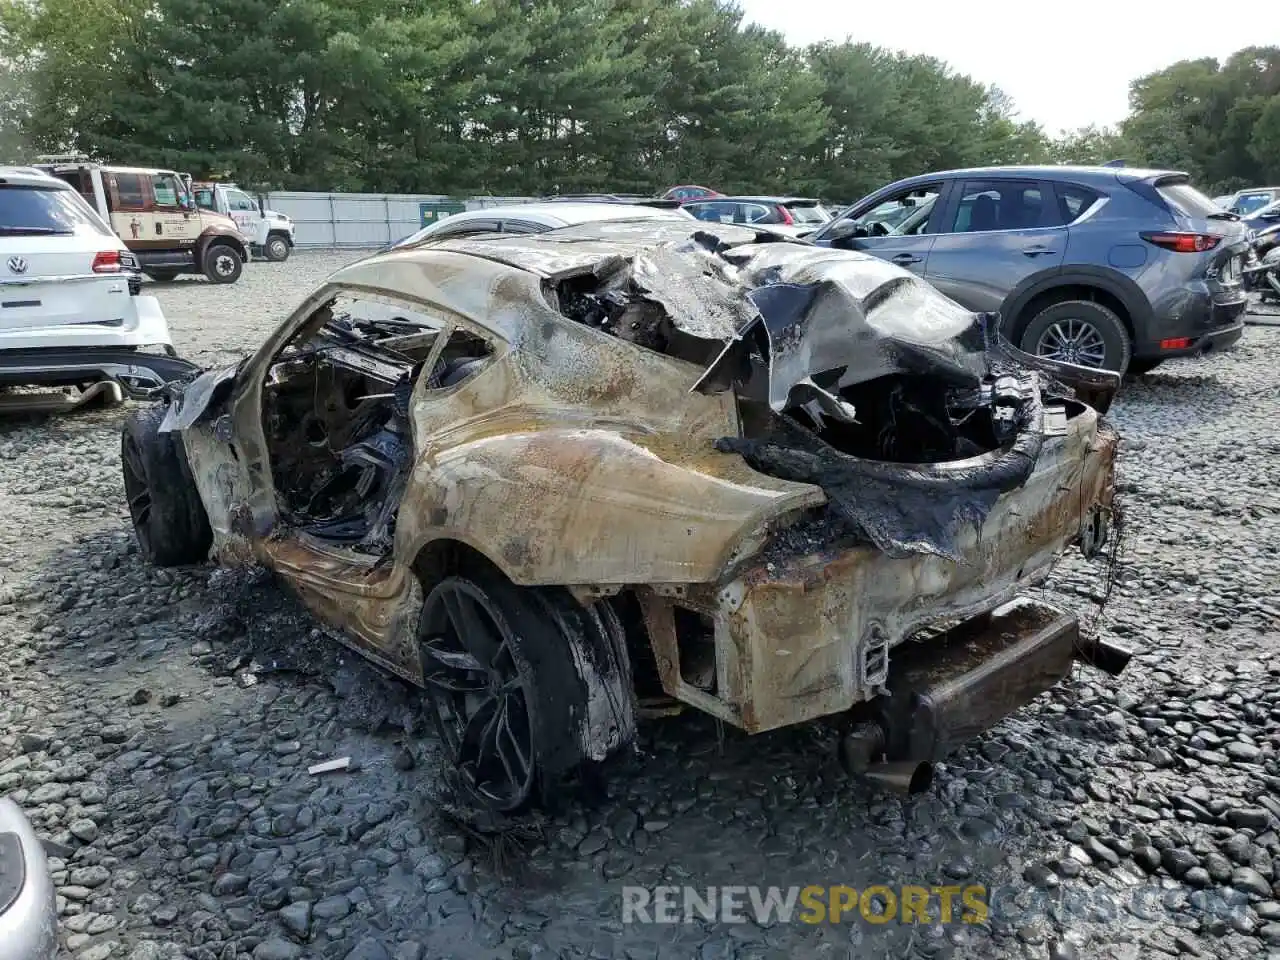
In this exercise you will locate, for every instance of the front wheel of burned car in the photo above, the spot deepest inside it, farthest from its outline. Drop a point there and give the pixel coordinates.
(506, 674)
(168, 516)
(1079, 332)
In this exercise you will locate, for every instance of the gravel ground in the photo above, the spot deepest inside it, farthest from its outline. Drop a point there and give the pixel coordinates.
(156, 726)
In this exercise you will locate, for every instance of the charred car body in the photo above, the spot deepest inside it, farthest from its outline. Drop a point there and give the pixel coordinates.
(548, 478)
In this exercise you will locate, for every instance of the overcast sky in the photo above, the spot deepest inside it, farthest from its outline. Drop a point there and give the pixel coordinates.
(1064, 64)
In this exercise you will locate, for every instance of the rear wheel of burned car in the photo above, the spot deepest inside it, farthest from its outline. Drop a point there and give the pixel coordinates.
(168, 516)
(503, 668)
(222, 263)
(1080, 332)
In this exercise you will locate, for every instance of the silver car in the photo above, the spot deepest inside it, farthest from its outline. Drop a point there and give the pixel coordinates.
(537, 218)
(28, 914)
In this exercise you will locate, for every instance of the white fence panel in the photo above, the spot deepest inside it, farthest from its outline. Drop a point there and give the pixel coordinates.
(367, 219)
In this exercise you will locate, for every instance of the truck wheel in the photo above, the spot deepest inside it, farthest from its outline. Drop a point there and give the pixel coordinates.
(163, 276)
(222, 263)
(1081, 332)
(277, 248)
(168, 516)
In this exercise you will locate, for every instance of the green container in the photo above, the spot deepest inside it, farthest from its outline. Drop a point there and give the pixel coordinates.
(433, 211)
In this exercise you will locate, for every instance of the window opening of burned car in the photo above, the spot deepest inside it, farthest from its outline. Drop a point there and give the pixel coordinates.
(336, 412)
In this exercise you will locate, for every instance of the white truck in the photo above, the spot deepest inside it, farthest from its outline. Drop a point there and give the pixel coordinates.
(270, 234)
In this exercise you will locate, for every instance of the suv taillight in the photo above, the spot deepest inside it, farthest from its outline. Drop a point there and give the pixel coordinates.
(106, 261)
(1183, 242)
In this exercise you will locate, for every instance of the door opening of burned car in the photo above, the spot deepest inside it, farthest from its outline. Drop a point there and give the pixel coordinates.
(558, 479)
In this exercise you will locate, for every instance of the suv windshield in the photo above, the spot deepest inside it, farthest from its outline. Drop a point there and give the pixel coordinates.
(1250, 203)
(28, 210)
(1185, 199)
(806, 214)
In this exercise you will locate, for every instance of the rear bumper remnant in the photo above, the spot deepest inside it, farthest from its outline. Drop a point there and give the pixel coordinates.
(947, 690)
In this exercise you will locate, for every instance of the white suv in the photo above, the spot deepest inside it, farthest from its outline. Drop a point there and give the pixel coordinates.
(71, 312)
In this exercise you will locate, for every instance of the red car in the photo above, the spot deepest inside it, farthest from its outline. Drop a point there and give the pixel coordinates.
(690, 192)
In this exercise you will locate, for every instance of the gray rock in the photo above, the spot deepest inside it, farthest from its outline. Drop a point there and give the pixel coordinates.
(99, 951)
(369, 949)
(430, 867)
(331, 908)
(84, 830)
(230, 884)
(1197, 877)
(90, 877)
(296, 918)
(1251, 818)
(1251, 881)
(1270, 934)
(1188, 945)
(1268, 911)
(1041, 875)
(1147, 857)
(1178, 860)
(1100, 853)
(33, 742)
(276, 949)
(594, 842)
(1244, 752)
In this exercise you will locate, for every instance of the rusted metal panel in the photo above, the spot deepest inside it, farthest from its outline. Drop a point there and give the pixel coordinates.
(798, 630)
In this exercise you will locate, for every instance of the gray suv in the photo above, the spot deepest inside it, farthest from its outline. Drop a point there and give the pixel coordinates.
(1105, 267)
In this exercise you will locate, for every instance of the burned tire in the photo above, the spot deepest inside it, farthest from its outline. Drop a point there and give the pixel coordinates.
(503, 683)
(168, 516)
(1080, 332)
(277, 248)
(222, 263)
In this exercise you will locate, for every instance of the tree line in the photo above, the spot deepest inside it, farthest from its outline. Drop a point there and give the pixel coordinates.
(543, 96)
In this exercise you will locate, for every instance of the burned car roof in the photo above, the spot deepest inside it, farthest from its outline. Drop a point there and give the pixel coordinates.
(824, 309)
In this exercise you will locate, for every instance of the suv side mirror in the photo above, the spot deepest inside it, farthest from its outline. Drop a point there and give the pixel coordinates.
(847, 230)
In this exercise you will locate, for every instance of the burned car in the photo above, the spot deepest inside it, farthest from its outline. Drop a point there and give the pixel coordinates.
(556, 480)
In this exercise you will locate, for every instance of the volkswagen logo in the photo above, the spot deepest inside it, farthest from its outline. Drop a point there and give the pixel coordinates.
(17, 265)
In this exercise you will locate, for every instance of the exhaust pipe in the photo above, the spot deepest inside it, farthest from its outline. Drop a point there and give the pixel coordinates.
(1110, 658)
(859, 752)
(906, 777)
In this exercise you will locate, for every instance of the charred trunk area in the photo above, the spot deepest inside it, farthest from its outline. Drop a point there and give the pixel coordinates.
(909, 462)
(910, 419)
